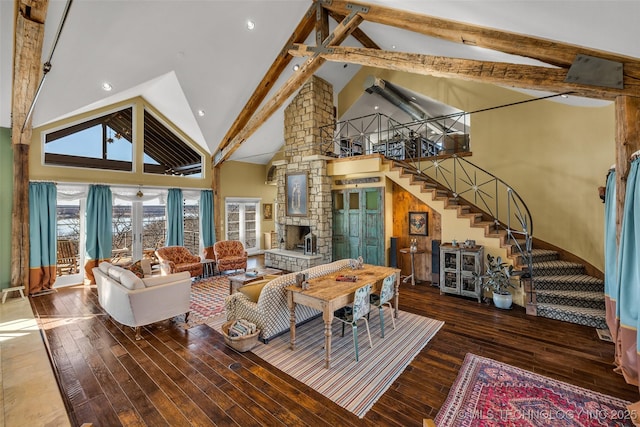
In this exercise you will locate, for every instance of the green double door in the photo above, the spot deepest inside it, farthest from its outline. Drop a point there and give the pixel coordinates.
(358, 226)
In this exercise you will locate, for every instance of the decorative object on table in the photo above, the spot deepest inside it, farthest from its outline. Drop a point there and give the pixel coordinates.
(297, 194)
(267, 211)
(497, 278)
(454, 242)
(356, 264)
(413, 247)
(251, 273)
(346, 278)
(418, 223)
(469, 243)
(490, 393)
(299, 279)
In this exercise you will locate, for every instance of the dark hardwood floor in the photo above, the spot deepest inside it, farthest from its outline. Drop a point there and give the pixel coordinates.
(177, 377)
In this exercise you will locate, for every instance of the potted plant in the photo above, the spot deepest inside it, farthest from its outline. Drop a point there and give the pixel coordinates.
(497, 278)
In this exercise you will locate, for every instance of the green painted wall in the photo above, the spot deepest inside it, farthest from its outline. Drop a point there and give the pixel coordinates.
(6, 200)
(554, 155)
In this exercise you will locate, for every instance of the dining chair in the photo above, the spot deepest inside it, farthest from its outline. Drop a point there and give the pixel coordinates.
(351, 315)
(384, 299)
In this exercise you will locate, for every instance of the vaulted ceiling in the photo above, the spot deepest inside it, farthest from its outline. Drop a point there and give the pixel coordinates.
(187, 56)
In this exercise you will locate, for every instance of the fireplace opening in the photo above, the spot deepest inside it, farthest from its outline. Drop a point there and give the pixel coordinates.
(294, 237)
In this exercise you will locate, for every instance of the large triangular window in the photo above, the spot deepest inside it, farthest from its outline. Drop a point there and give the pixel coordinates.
(103, 143)
(107, 142)
(166, 153)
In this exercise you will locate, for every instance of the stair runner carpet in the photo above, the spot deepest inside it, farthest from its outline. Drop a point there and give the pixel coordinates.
(564, 292)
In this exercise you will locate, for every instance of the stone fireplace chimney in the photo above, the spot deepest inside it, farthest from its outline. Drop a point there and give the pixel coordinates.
(309, 110)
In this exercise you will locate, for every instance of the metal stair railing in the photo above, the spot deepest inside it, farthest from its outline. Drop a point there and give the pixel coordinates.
(490, 194)
(428, 149)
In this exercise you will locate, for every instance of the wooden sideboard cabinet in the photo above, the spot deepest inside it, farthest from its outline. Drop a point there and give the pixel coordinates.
(457, 265)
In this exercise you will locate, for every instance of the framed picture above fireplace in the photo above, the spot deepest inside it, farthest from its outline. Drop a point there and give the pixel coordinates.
(297, 194)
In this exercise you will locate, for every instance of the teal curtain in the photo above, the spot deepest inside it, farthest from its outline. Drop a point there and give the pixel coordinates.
(610, 253)
(175, 218)
(627, 301)
(42, 236)
(99, 228)
(207, 226)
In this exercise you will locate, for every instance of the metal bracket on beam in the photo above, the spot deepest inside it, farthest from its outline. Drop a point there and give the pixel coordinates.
(356, 8)
(589, 70)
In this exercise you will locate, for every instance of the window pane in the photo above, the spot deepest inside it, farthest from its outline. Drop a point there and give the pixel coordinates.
(103, 143)
(122, 233)
(68, 236)
(191, 226)
(354, 201)
(372, 200)
(154, 223)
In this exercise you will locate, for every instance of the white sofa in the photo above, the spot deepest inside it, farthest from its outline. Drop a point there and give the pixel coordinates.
(270, 312)
(135, 302)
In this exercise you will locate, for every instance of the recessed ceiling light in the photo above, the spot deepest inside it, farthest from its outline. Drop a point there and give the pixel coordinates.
(376, 107)
(107, 86)
(250, 24)
(393, 46)
(201, 113)
(296, 67)
(564, 95)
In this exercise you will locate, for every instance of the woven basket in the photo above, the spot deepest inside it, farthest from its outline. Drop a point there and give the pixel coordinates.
(241, 344)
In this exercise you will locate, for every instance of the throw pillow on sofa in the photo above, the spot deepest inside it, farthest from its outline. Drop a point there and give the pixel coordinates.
(253, 290)
(135, 268)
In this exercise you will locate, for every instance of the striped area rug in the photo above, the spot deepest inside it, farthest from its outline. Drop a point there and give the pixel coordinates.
(355, 386)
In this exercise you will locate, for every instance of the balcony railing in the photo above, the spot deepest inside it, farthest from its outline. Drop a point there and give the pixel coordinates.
(432, 149)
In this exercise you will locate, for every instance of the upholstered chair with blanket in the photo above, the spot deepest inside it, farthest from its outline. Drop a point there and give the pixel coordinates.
(174, 259)
(230, 255)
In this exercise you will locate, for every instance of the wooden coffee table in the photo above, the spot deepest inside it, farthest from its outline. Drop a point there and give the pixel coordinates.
(238, 280)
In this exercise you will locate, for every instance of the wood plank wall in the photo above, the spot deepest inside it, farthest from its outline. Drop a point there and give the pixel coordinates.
(403, 203)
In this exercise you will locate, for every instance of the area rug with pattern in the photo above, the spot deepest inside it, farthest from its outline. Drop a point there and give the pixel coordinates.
(353, 385)
(490, 393)
(207, 299)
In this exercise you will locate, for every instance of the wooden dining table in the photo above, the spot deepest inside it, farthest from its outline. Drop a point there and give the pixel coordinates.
(327, 294)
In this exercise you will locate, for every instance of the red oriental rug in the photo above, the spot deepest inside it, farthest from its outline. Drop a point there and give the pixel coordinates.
(490, 393)
(207, 299)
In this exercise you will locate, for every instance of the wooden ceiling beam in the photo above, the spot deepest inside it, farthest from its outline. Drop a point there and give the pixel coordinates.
(299, 35)
(27, 72)
(548, 51)
(357, 34)
(501, 73)
(339, 34)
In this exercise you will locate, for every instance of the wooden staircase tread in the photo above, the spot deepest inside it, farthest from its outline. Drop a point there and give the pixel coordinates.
(540, 252)
(587, 295)
(573, 278)
(555, 263)
(584, 311)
